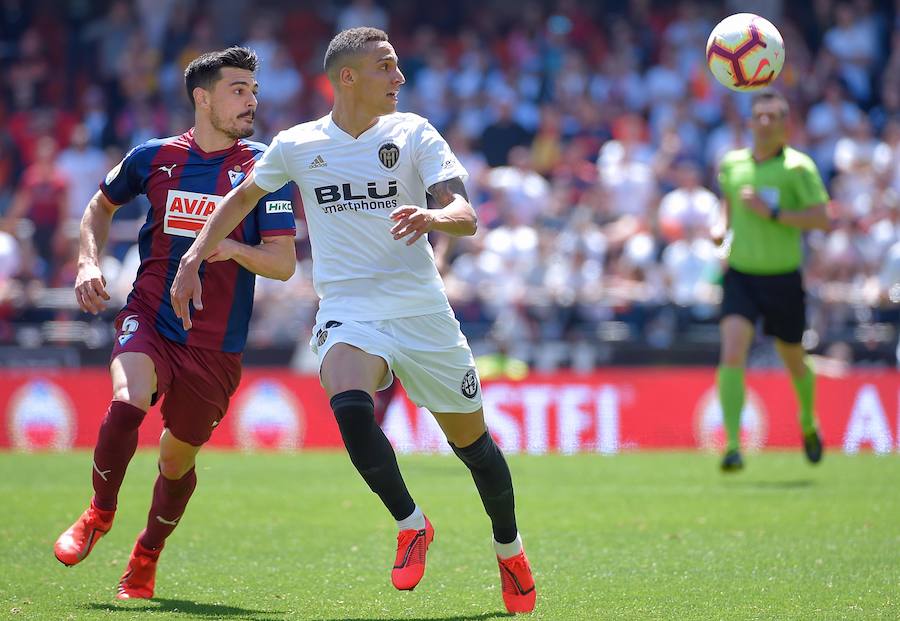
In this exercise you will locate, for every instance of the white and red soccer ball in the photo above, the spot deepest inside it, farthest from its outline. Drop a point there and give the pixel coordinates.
(745, 52)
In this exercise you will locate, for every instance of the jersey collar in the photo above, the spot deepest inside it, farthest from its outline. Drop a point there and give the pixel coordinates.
(774, 156)
(207, 154)
(333, 130)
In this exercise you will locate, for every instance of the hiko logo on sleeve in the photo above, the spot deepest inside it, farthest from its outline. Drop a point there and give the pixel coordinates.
(279, 207)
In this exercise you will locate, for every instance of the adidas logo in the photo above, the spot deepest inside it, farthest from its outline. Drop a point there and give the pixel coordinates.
(319, 162)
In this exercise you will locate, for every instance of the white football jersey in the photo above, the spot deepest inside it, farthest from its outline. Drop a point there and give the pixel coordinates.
(349, 187)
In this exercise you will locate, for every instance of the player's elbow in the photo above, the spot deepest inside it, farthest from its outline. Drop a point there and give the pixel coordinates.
(287, 271)
(823, 220)
(99, 205)
(472, 224)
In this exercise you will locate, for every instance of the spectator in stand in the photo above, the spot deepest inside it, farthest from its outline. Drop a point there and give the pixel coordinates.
(10, 169)
(500, 363)
(95, 117)
(889, 280)
(731, 134)
(282, 77)
(827, 121)
(502, 135)
(855, 42)
(362, 13)
(665, 84)
(31, 72)
(110, 35)
(688, 206)
(526, 191)
(82, 164)
(628, 181)
(472, 160)
(42, 200)
(431, 92)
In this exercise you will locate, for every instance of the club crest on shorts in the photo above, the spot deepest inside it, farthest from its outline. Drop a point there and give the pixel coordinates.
(389, 155)
(129, 326)
(322, 335)
(469, 384)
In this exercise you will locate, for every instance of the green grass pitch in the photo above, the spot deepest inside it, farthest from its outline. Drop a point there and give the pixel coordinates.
(636, 536)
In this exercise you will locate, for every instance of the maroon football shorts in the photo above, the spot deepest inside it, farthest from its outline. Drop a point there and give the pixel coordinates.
(197, 383)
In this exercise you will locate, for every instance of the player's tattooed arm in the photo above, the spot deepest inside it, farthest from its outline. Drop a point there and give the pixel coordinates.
(445, 192)
(455, 216)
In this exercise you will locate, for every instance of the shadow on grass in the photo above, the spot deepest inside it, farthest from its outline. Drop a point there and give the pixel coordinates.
(220, 611)
(792, 484)
(482, 617)
(198, 609)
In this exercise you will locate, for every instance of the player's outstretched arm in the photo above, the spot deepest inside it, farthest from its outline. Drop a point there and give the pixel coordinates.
(90, 285)
(274, 258)
(234, 207)
(455, 217)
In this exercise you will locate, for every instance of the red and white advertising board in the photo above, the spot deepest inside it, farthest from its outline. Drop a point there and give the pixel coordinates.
(608, 411)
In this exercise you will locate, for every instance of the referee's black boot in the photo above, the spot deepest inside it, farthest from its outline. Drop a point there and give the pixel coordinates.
(812, 446)
(732, 462)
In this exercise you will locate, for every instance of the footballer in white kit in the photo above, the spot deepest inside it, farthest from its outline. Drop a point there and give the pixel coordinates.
(383, 297)
(363, 171)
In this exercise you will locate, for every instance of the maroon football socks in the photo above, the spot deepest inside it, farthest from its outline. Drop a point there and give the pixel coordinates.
(170, 497)
(116, 443)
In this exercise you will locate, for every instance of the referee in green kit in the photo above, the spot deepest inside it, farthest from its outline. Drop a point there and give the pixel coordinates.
(771, 193)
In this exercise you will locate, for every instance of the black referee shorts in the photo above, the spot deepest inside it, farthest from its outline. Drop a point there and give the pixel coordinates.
(779, 299)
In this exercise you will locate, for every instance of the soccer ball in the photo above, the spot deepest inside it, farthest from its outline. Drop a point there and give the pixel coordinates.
(745, 52)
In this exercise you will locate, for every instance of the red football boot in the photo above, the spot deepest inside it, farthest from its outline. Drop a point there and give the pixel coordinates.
(409, 567)
(517, 583)
(140, 576)
(76, 543)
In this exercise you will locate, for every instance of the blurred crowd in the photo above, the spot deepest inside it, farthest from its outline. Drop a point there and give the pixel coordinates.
(591, 132)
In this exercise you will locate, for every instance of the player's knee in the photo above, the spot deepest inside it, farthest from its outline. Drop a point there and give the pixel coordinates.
(139, 398)
(354, 411)
(796, 366)
(733, 354)
(732, 358)
(465, 437)
(369, 449)
(123, 418)
(175, 467)
(479, 454)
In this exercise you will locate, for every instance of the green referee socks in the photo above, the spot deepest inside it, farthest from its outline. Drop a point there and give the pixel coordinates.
(805, 388)
(730, 381)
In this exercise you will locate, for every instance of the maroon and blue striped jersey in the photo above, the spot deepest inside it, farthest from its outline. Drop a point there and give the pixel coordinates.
(184, 184)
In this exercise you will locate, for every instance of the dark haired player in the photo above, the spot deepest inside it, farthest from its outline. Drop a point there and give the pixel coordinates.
(184, 177)
(363, 172)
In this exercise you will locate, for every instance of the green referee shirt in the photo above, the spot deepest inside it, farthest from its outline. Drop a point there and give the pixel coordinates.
(789, 180)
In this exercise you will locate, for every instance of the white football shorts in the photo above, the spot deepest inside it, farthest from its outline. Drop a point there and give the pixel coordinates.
(429, 353)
